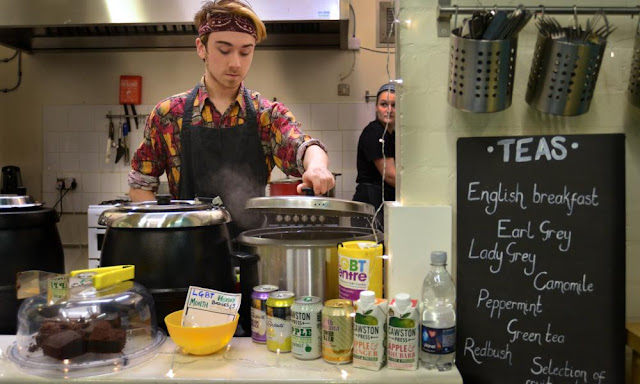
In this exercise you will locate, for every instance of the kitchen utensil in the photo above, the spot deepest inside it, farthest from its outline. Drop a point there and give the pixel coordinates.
(29, 239)
(284, 187)
(199, 340)
(303, 258)
(125, 141)
(476, 25)
(481, 72)
(175, 244)
(633, 90)
(126, 114)
(120, 148)
(135, 115)
(563, 74)
(496, 25)
(110, 141)
(11, 179)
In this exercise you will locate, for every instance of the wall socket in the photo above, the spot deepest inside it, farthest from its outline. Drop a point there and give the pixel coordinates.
(344, 89)
(66, 183)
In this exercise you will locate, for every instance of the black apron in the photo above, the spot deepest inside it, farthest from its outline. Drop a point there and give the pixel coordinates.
(225, 162)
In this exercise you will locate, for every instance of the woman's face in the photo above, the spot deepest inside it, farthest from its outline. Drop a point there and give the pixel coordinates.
(386, 108)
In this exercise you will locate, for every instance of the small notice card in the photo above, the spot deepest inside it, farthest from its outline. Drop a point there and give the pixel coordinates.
(207, 307)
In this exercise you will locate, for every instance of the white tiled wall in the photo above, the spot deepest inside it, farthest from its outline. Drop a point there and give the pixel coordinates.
(75, 138)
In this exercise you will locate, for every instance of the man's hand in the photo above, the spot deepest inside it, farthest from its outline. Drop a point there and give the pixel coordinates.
(316, 174)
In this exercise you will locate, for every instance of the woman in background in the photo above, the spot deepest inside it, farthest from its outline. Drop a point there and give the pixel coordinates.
(376, 154)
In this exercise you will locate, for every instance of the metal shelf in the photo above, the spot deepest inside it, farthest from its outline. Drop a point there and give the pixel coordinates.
(446, 10)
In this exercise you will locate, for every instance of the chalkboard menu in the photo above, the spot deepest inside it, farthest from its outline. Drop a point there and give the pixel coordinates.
(541, 259)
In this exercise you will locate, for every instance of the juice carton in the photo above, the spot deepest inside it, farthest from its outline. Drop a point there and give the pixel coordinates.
(403, 341)
(370, 332)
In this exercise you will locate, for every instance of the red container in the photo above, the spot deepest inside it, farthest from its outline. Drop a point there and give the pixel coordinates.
(284, 187)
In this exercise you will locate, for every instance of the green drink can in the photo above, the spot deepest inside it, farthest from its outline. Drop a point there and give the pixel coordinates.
(306, 328)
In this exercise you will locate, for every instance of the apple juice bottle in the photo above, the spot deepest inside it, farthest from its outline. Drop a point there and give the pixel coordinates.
(370, 332)
(403, 338)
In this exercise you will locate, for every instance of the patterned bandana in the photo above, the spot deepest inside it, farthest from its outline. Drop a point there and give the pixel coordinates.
(219, 22)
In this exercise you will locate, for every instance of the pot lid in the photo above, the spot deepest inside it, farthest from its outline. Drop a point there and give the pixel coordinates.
(16, 201)
(309, 205)
(164, 213)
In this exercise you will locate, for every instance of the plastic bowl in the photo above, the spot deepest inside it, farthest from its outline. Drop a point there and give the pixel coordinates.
(199, 340)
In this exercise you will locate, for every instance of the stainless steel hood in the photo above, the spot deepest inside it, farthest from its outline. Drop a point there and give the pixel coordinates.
(80, 25)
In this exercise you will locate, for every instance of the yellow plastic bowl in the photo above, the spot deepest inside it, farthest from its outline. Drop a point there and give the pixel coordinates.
(199, 340)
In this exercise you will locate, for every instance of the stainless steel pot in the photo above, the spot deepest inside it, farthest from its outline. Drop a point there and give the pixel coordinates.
(175, 244)
(303, 259)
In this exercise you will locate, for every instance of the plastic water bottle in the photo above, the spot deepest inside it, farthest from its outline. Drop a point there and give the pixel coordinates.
(438, 316)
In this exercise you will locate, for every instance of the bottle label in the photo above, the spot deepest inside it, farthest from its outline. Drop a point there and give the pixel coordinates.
(439, 341)
(353, 276)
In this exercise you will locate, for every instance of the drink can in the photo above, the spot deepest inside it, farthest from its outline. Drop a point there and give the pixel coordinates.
(337, 331)
(259, 312)
(306, 328)
(279, 321)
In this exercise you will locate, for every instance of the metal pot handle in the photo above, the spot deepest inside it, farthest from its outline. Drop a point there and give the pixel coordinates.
(248, 279)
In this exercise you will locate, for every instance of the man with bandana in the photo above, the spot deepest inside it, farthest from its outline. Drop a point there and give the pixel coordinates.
(220, 138)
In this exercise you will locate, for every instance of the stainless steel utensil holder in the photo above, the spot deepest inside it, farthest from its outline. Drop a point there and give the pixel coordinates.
(481, 73)
(563, 76)
(633, 91)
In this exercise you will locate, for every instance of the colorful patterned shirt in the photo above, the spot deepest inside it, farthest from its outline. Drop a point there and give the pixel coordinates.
(282, 140)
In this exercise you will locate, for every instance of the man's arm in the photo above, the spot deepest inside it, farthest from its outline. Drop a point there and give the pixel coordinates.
(316, 171)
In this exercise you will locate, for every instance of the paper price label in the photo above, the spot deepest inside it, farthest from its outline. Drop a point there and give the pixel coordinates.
(207, 307)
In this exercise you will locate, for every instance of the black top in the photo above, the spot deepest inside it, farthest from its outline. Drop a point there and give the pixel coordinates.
(370, 149)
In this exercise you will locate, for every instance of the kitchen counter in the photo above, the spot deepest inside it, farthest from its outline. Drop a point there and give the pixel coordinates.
(241, 362)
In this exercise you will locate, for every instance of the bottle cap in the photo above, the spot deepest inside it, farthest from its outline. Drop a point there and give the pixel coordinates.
(403, 300)
(367, 297)
(438, 258)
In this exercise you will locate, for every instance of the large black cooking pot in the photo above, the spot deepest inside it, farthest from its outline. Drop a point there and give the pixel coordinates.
(174, 244)
(29, 239)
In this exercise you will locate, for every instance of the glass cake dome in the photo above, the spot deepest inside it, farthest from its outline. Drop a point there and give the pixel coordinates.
(101, 326)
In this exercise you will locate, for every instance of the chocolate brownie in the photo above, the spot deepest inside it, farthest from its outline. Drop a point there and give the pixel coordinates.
(53, 326)
(63, 345)
(100, 334)
(104, 338)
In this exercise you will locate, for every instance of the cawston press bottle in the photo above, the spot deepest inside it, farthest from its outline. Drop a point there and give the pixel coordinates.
(438, 318)
(403, 333)
(370, 332)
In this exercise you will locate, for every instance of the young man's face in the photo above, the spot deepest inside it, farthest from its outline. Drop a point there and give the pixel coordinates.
(227, 57)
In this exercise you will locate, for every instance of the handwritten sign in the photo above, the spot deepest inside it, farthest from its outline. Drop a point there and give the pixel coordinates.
(541, 259)
(206, 307)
